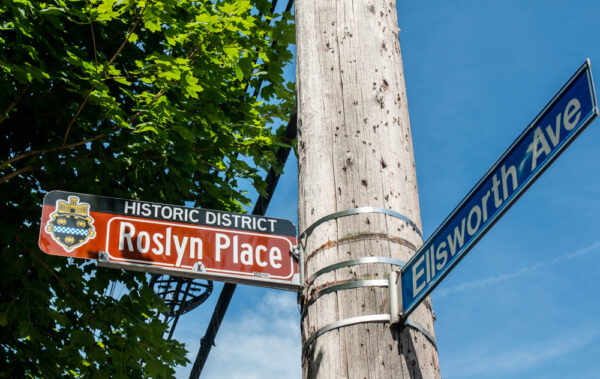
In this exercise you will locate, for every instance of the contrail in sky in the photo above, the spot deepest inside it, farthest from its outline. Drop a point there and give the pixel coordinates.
(443, 292)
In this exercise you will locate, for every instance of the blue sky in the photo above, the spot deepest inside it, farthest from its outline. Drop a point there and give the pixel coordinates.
(525, 301)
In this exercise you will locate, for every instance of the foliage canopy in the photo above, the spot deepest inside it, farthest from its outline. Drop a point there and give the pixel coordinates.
(166, 101)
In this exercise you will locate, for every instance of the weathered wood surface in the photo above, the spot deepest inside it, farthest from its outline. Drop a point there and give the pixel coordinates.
(355, 150)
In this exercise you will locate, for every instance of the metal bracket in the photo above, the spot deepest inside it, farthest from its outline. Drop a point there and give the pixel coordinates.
(395, 296)
(354, 211)
(396, 308)
(298, 254)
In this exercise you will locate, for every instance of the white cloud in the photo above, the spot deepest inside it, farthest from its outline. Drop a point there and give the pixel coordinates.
(263, 342)
(483, 362)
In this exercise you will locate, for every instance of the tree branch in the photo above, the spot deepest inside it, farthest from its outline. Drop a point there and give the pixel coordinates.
(76, 144)
(17, 173)
(16, 101)
(76, 116)
(154, 100)
(110, 62)
(213, 166)
(56, 148)
(94, 44)
(126, 77)
(129, 33)
(210, 148)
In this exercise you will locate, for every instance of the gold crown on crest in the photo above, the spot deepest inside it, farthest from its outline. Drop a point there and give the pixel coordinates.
(72, 207)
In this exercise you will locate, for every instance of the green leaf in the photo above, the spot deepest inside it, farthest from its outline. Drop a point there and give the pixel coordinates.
(238, 73)
(145, 127)
(52, 11)
(152, 25)
(122, 81)
(106, 6)
(231, 51)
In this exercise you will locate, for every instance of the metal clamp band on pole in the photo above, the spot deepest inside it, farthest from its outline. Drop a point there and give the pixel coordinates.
(343, 286)
(360, 210)
(362, 319)
(342, 323)
(352, 262)
(422, 330)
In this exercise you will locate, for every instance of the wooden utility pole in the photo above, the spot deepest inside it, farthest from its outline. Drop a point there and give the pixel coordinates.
(355, 151)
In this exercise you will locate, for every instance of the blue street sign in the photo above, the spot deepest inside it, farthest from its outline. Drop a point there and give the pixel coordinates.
(555, 127)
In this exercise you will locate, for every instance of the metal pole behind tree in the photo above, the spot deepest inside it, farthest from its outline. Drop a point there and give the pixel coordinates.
(355, 151)
(260, 208)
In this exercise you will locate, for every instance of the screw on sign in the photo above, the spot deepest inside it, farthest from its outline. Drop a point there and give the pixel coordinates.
(170, 239)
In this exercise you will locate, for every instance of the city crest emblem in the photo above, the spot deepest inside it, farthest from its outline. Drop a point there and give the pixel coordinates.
(70, 225)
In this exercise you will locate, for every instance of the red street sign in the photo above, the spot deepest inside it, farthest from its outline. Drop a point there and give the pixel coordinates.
(170, 239)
